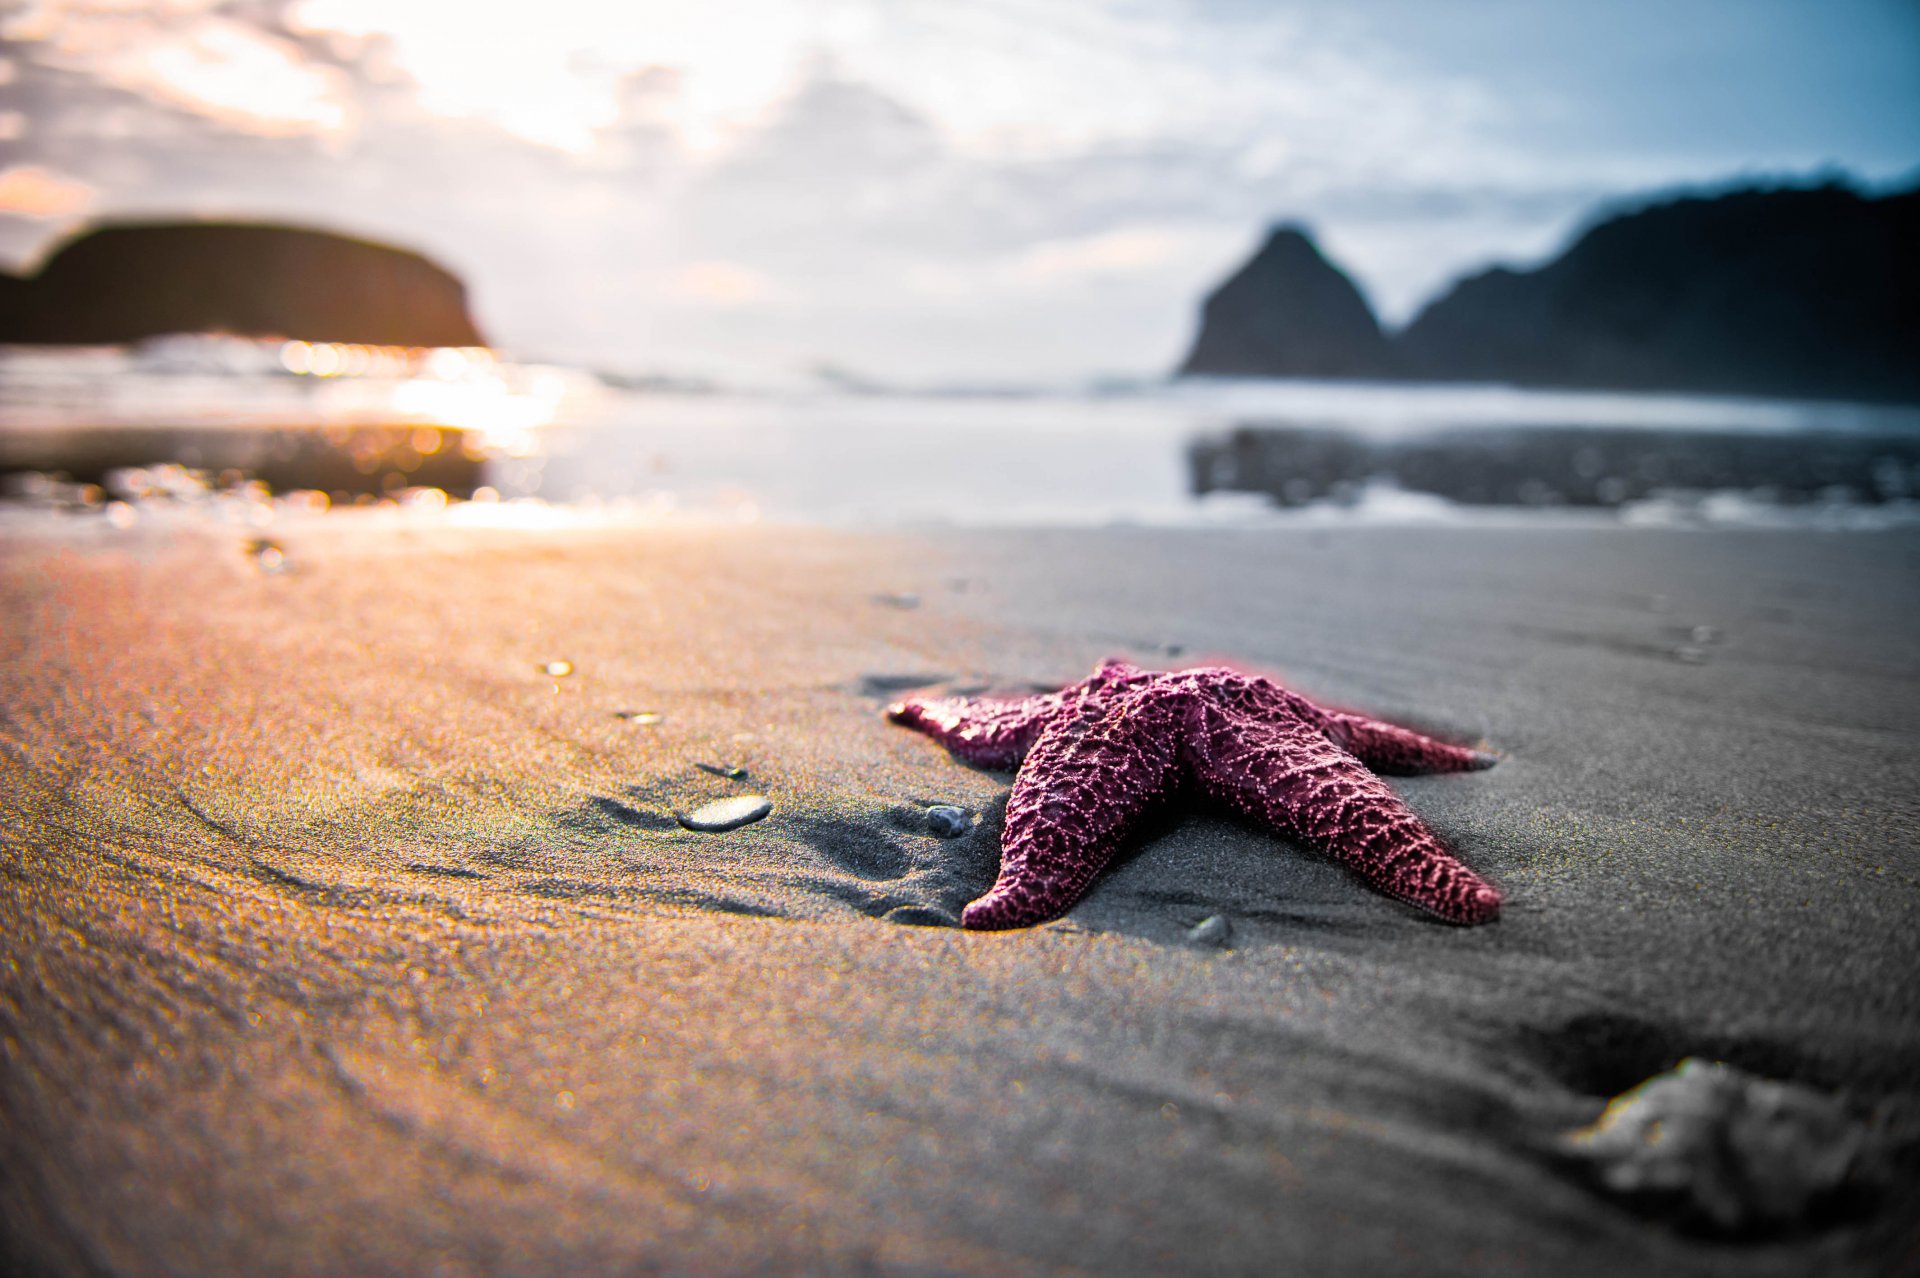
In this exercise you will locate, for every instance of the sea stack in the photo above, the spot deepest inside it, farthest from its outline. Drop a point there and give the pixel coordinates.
(125, 282)
(1288, 312)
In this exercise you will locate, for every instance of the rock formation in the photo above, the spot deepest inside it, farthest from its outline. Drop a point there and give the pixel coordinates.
(1791, 292)
(121, 283)
(1288, 313)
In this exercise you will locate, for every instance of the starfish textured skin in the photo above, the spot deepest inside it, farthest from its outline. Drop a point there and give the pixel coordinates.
(1098, 755)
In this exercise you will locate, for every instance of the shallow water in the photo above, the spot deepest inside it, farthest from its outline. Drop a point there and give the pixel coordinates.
(1072, 459)
(1155, 453)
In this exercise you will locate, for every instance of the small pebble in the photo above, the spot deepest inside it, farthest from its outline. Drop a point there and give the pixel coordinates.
(1212, 930)
(645, 718)
(901, 599)
(1691, 656)
(1705, 634)
(726, 814)
(946, 821)
(719, 770)
(557, 669)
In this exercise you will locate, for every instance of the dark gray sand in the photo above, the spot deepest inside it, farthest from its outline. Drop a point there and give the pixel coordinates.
(340, 937)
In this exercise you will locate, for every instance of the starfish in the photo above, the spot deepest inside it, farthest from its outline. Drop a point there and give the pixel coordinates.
(1096, 756)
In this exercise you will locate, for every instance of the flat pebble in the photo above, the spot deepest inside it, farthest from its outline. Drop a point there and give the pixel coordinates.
(556, 669)
(645, 718)
(728, 771)
(947, 822)
(1212, 930)
(726, 814)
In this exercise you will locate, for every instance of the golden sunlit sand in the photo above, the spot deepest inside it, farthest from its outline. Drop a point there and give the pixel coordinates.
(351, 928)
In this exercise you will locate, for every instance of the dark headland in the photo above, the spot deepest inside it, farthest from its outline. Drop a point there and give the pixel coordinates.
(1810, 293)
(125, 282)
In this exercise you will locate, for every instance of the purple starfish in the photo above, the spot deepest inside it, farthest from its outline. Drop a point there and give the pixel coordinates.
(1096, 756)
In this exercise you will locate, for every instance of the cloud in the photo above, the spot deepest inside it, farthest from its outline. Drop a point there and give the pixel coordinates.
(919, 188)
(720, 284)
(188, 57)
(29, 191)
(1111, 252)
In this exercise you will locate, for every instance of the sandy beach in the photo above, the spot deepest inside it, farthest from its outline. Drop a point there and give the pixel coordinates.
(343, 934)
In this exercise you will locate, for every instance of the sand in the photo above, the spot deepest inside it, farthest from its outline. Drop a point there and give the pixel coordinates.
(341, 937)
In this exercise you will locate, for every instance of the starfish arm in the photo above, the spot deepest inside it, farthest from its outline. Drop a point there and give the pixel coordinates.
(1294, 777)
(992, 732)
(1397, 751)
(1085, 785)
(986, 732)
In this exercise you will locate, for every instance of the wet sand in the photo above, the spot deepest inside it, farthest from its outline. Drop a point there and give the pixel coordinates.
(340, 936)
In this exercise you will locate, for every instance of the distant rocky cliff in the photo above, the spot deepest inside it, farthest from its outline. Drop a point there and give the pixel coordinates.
(1795, 292)
(120, 283)
(1289, 313)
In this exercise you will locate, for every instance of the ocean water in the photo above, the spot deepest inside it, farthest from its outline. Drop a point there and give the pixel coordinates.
(1192, 453)
(1128, 457)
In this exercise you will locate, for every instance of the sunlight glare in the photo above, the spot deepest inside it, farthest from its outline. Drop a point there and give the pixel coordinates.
(564, 74)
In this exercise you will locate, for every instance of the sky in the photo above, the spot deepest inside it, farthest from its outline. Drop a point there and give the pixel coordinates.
(926, 191)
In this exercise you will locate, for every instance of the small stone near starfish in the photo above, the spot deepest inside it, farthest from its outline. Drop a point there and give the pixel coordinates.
(945, 821)
(1097, 756)
(726, 814)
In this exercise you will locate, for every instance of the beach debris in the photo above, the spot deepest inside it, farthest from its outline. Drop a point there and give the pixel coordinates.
(944, 821)
(1724, 1149)
(645, 718)
(269, 556)
(723, 770)
(1095, 755)
(556, 669)
(726, 814)
(897, 599)
(1212, 930)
